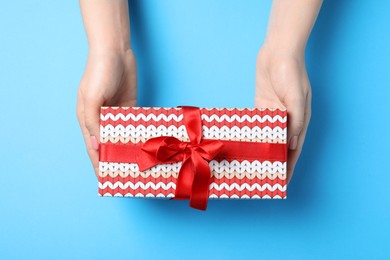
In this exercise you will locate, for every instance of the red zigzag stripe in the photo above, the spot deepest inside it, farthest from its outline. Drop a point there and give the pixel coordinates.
(226, 123)
(213, 111)
(164, 180)
(219, 113)
(213, 191)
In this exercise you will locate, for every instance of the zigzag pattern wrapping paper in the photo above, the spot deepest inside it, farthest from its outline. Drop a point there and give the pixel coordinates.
(229, 178)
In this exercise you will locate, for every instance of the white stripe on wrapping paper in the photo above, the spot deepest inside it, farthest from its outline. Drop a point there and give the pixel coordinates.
(178, 108)
(179, 118)
(219, 187)
(133, 186)
(141, 195)
(234, 196)
(212, 196)
(215, 166)
(246, 186)
(178, 132)
(243, 118)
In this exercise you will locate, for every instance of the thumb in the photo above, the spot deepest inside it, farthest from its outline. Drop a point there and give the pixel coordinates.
(296, 119)
(92, 106)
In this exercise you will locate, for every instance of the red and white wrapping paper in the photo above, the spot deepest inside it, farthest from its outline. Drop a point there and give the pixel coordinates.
(242, 178)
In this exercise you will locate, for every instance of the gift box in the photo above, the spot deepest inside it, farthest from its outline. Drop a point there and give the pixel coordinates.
(193, 153)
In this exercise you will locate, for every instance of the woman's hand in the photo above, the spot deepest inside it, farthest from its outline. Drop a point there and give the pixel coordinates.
(110, 79)
(282, 82)
(281, 77)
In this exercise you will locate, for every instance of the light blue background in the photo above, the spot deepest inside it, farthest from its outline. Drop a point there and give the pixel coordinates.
(197, 53)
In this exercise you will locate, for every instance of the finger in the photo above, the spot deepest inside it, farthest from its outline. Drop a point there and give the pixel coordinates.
(293, 155)
(92, 153)
(296, 105)
(92, 104)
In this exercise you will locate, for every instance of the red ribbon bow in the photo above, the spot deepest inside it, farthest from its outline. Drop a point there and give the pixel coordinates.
(194, 174)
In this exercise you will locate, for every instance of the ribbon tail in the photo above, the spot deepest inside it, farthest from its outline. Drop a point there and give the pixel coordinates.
(200, 187)
(184, 180)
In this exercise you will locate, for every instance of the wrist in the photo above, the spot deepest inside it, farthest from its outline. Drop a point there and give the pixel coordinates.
(274, 55)
(109, 60)
(282, 48)
(280, 65)
(110, 47)
(109, 51)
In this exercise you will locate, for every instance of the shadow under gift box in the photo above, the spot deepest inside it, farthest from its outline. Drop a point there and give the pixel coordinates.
(261, 175)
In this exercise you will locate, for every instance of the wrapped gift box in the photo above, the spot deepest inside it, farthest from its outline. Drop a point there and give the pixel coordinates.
(193, 153)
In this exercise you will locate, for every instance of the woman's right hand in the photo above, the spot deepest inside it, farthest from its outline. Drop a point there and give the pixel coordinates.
(110, 79)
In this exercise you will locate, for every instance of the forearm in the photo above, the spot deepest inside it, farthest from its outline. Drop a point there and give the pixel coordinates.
(107, 24)
(290, 25)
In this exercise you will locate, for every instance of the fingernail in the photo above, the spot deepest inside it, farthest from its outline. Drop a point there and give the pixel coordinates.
(293, 143)
(94, 143)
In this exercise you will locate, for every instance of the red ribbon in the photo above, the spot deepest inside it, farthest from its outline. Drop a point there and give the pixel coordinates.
(194, 175)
